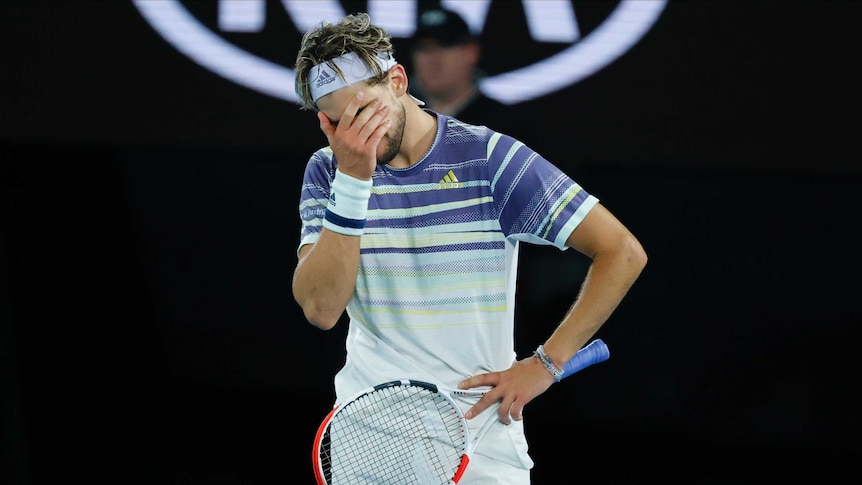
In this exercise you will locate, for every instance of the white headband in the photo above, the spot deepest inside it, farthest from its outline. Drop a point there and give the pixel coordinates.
(324, 79)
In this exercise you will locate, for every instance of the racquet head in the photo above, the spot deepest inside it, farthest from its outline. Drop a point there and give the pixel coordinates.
(404, 432)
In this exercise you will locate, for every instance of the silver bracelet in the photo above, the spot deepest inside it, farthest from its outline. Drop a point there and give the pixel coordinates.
(548, 363)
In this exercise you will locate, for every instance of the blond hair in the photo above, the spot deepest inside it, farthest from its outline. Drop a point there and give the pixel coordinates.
(353, 33)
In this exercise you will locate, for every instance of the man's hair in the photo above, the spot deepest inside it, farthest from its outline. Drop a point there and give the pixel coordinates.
(353, 33)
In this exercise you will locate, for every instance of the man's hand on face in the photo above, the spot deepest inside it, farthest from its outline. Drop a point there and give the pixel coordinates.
(355, 137)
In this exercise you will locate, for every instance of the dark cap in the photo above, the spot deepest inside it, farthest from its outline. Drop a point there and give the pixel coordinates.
(443, 26)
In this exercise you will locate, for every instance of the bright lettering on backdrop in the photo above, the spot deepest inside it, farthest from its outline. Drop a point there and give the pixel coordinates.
(547, 21)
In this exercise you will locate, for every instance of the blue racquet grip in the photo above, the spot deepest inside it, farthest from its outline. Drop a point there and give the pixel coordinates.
(594, 352)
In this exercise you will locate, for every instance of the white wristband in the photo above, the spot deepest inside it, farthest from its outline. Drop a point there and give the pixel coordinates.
(348, 204)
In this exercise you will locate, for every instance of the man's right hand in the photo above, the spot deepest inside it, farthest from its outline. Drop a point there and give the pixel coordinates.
(355, 137)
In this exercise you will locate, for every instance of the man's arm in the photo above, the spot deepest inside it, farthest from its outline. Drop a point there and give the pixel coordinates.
(325, 277)
(617, 260)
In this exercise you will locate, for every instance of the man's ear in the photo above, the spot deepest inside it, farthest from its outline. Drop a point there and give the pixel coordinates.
(398, 80)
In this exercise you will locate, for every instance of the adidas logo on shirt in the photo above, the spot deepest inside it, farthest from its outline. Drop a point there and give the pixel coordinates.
(450, 181)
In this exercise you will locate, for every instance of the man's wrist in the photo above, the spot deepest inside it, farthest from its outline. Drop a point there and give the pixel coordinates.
(348, 204)
(549, 365)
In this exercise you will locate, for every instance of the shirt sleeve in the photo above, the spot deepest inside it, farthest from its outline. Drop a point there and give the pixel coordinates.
(314, 195)
(537, 202)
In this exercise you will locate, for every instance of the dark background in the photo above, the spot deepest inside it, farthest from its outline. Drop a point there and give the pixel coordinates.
(148, 228)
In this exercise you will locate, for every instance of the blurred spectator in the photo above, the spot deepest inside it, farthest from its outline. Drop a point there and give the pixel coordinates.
(446, 74)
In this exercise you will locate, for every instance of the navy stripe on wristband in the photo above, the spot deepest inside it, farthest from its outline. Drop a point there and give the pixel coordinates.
(343, 225)
(352, 194)
(343, 221)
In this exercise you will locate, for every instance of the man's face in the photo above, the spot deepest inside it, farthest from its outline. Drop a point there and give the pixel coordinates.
(333, 105)
(440, 69)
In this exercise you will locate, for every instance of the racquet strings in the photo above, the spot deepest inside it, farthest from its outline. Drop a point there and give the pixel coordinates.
(397, 434)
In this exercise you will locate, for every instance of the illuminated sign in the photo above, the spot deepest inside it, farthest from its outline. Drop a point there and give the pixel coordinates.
(547, 21)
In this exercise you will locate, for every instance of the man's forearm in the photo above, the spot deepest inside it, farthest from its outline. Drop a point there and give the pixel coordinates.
(325, 278)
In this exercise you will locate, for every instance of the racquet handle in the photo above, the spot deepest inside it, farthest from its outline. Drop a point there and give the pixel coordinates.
(593, 353)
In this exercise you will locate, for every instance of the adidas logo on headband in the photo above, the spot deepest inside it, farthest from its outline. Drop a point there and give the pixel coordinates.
(351, 66)
(323, 79)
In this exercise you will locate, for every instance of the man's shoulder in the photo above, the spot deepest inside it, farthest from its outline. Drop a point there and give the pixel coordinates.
(322, 156)
(321, 162)
(515, 120)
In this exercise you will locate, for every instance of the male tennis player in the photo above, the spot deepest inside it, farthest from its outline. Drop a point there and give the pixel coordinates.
(411, 222)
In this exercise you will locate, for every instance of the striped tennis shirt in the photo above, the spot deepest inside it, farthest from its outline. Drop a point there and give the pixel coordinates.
(435, 293)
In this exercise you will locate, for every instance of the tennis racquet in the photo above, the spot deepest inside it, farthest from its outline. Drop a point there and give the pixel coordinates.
(407, 432)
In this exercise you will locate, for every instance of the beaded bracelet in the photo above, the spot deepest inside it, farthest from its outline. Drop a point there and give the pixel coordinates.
(548, 363)
(348, 204)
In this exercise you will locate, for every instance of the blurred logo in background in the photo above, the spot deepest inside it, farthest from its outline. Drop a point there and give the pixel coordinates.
(548, 22)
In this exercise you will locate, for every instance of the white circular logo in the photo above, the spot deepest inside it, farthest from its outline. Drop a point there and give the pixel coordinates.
(548, 21)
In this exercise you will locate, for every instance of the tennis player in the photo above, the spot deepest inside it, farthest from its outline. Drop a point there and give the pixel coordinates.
(411, 222)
